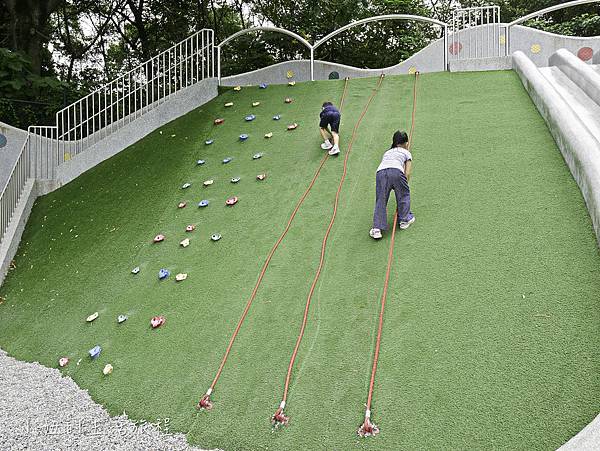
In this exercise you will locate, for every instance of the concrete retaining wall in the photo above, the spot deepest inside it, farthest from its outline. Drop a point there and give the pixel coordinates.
(582, 74)
(177, 105)
(430, 59)
(579, 148)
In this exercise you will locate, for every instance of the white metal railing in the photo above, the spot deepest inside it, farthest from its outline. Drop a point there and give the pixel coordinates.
(124, 99)
(541, 12)
(104, 111)
(476, 33)
(313, 47)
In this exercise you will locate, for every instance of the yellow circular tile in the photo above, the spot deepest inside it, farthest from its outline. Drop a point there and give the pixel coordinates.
(536, 48)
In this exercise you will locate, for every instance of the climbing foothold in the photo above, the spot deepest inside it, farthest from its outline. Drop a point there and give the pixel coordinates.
(185, 243)
(293, 126)
(200, 162)
(219, 121)
(288, 100)
(261, 176)
(235, 179)
(181, 277)
(263, 86)
(135, 270)
(121, 319)
(269, 135)
(250, 117)
(227, 160)
(108, 368)
(158, 238)
(63, 361)
(208, 182)
(277, 117)
(292, 83)
(186, 185)
(243, 137)
(181, 205)
(257, 156)
(231, 201)
(255, 103)
(95, 352)
(208, 142)
(237, 88)
(215, 237)
(157, 321)
(190, 228)
(228, 104)
(163, 273)
(203, 203)
(92, 317)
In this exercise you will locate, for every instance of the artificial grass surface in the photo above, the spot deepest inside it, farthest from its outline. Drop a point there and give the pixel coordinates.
(492, 322)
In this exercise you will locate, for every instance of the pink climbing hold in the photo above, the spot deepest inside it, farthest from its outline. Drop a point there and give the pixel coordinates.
(158, 238)
(157, 321)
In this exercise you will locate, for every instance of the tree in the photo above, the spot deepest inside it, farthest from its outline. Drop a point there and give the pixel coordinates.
(28, 30)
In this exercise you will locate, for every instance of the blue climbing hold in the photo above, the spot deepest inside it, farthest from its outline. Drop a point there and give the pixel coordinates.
(163, 273)
(203, 203)
(200, 162)
(208, 142)
(250, 117)
(95, 352)
(277, 117)
(263, 86)
(227, 160)
(243, 137)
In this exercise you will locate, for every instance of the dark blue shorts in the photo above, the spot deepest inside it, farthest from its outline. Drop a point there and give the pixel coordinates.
(332, 120)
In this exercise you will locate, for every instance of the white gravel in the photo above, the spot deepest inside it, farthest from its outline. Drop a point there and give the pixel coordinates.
(42, 410)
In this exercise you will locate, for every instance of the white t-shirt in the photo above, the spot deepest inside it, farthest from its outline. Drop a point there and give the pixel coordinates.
(395, 158)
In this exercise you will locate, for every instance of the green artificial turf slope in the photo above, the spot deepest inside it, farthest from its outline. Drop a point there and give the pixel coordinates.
(492, 321)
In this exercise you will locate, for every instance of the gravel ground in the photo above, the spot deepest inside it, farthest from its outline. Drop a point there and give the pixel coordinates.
(41, 410)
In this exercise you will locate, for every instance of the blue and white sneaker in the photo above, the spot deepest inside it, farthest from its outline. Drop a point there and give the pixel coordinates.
(406, 224)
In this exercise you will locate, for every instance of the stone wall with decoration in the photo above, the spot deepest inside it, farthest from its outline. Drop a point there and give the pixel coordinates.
(476, 48)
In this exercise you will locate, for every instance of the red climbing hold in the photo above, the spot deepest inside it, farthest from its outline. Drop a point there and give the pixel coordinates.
(157, 321)
(232, 200)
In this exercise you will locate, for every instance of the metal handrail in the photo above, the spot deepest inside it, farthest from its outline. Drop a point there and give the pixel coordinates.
(550, 9)
(541, 12)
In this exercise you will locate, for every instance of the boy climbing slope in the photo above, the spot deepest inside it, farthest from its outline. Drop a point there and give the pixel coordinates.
(330, 119)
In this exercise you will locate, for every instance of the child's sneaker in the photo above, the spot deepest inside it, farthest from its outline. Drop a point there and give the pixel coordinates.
(406, 224)
(375, 234)
(326, 145)
(334, 150)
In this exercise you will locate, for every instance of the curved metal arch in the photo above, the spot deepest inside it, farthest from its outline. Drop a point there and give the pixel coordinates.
(321, 41)
(549, 10)
(273, 29)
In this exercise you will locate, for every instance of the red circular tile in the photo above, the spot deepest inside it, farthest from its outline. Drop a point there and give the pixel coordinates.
(585, 53)
(455, 48)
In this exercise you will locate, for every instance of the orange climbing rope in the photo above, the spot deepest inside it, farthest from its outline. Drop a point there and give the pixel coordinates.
(279, 418)
(205, 402)
(367, 428)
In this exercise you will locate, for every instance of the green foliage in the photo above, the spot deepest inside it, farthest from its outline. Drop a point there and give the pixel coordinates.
(26, 98)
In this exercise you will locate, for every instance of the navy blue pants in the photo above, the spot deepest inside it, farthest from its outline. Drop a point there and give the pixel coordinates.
(386, 181)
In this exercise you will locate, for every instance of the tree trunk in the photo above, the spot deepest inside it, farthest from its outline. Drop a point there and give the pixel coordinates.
(28, 28)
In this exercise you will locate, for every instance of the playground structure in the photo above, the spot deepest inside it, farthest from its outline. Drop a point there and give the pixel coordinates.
(190, 71)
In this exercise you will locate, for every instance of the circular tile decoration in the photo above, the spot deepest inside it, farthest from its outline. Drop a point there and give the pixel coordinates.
(536, 48)
(455, 48)
(334, 75)
(3, 140)
(584, 54)
(67, 156)
(412, 70)
(502, 39)
(290, 74)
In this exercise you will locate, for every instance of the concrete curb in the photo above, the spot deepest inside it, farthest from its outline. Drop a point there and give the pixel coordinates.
(579, 148)
(582, 74)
